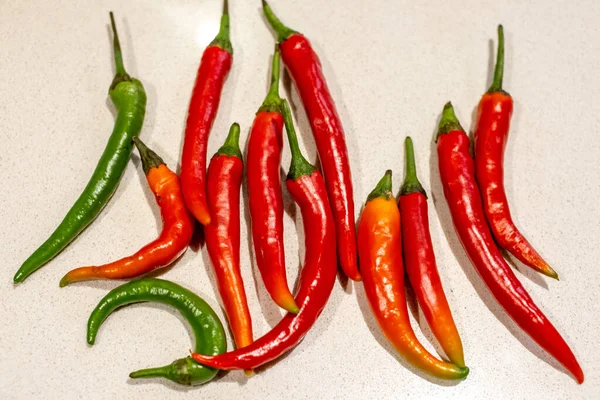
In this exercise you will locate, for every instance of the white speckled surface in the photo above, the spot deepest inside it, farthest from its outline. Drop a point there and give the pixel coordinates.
(390, 68)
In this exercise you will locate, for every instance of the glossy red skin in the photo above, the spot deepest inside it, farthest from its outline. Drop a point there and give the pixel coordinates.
(491, 134)
(213, 70)
(178, 227)
(419, 261)
(457, 173)
(266, 204)
(222, 237)
(316, 281)
(306, 71)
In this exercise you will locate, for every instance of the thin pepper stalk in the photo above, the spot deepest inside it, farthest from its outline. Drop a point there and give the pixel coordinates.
(265, 195)
(491, 134)
(206, 95)
(317, 277)
(457, 172)
(178, 227)
(420, 261)
(306, 71)
(207, 328)
(380, 255)
(129, 97)
(222, 235)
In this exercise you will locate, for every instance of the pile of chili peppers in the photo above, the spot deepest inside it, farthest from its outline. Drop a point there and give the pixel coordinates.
(392, 239)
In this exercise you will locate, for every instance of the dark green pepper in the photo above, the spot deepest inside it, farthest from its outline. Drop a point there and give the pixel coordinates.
(208, 330)
(129, 98)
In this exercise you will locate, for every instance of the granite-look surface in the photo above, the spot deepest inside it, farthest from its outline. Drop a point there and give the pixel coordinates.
(391, 68)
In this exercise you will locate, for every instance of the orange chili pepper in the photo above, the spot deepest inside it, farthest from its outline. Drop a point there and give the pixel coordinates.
(175, 236)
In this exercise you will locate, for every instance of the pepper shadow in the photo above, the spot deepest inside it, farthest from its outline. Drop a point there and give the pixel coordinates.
(490, 302)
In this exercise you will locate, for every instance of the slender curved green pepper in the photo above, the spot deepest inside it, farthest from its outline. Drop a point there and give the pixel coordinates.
(129, 98)
(208, 330)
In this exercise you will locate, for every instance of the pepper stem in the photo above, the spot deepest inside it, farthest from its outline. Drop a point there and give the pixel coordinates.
(157, 372)
(448, 122)
(383, 188)
(231, 147)
(272, 102)
(411, 181)
(120, 75)
(283, 32)
(299, 165)
(149, 158)
(499, 70)
(222, 38)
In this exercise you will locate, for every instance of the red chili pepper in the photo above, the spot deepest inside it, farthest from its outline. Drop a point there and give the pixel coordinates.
(380, 255)
(493, 122)
(264, 191)
(178, 227)
(214, 67)
(419, 260)
(305, 68)
(222, 235)
(317, 278)
(457, 173)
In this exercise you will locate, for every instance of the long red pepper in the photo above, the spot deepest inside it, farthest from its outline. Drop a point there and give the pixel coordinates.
(317, 278)
(214, 67)
(419, 260)
(380, 254)
(178, 227)
(457, 173)
(305, 68)
(264, 191)
(222, 235)
(491, 133)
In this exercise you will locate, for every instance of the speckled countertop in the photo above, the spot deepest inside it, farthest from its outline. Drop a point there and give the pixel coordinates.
(390, 69)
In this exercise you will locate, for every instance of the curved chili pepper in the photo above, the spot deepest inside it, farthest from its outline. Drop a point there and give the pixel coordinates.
(264, 192)
(317, 278)
(208, 331)
(457, 173)
(305, 68)
(380, 255)
(419, 260)
(214, 68)
(178, 227)
(129, 98)
(491, 133)
(222, 235)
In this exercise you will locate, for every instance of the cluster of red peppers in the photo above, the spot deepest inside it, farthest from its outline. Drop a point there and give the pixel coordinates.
(393, 235)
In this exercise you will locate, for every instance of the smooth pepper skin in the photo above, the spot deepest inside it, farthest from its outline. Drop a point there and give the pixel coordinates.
(380, 255)
(457, 172)
(208, 331)
(129, 98)
(317, 278)
(222, 235)
(491, 134)
(305, 69)
(206, 95)
(419, 260)
(265, 195)
(178, 227)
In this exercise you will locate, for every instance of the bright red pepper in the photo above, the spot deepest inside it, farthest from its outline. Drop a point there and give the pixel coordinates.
(457, 173)
(419, 260)
(264, 191)
(380, 255)
(317, 278)
(306, 71)
(214, 67)
(222, 235)
(491, 133)
(178, 227)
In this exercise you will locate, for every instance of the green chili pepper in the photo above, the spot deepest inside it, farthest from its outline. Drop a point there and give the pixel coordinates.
(129, 98)
(208, 330)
